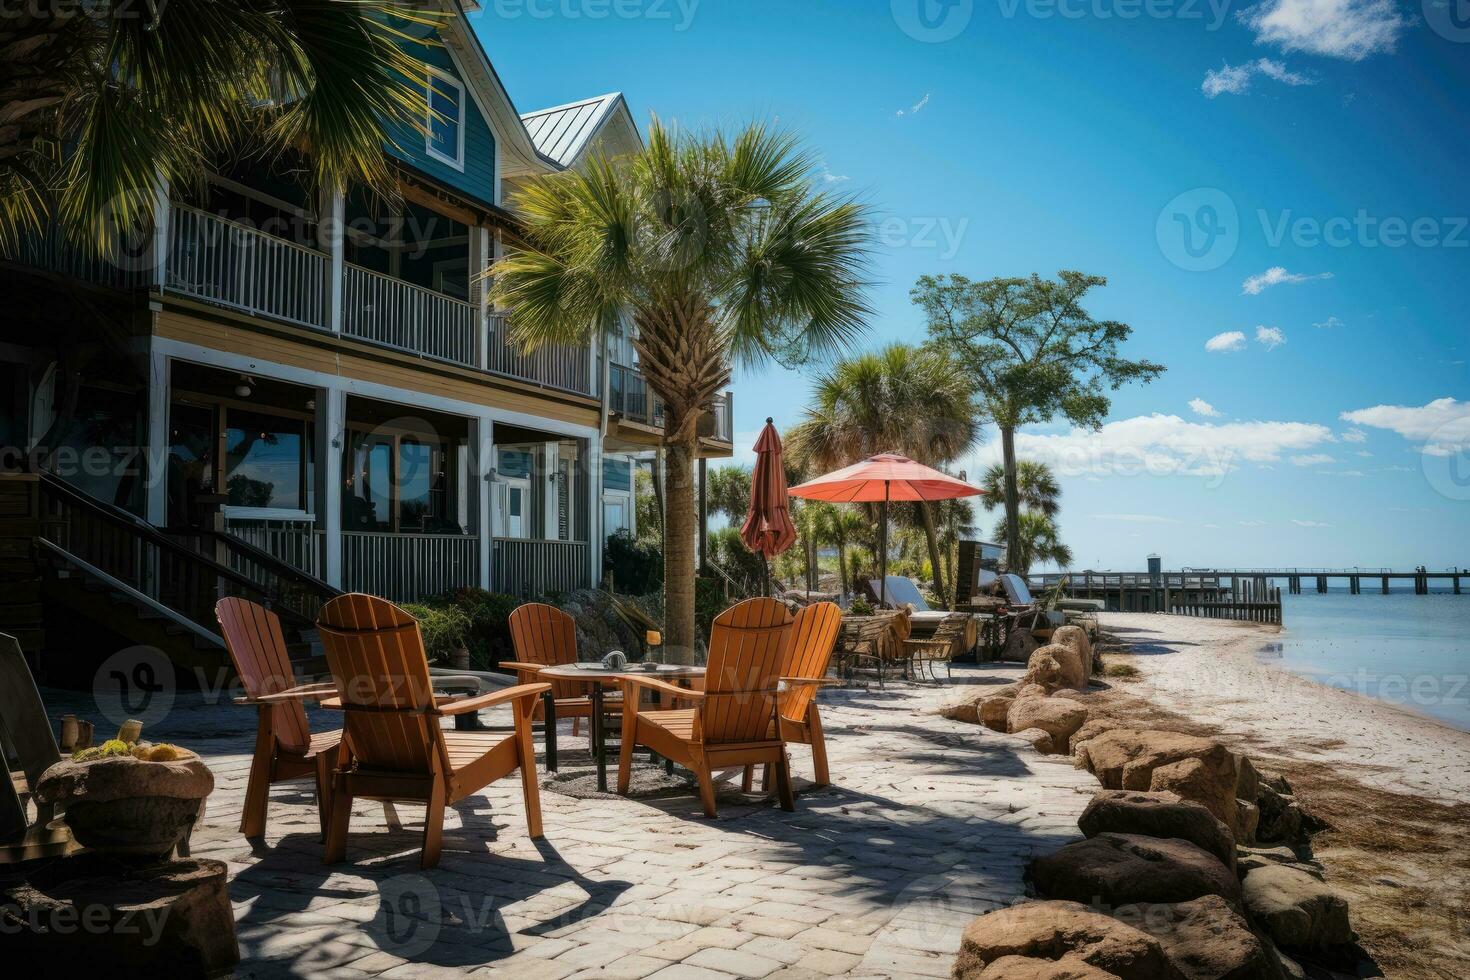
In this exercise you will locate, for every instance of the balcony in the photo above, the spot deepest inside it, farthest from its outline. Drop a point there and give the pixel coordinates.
(629, 397)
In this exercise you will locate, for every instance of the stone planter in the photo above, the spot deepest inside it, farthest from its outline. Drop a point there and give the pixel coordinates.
(126, 806)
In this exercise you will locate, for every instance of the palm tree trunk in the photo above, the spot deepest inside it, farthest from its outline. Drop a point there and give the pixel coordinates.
(841, 566)
(931, 537)
(680, 540)
(1013, 504)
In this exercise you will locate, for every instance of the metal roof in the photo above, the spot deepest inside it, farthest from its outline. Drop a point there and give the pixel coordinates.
(562, 132)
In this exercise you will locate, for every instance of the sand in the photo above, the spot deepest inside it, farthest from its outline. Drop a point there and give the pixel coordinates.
(1213, 672)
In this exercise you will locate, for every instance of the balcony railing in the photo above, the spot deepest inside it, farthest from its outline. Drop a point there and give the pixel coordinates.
(398, 314)
(629, 395)
(527, 567)
(555, 366)
(216, 259)
(407, 567)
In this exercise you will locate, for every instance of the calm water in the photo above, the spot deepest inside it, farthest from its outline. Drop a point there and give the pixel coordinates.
(1409, 649)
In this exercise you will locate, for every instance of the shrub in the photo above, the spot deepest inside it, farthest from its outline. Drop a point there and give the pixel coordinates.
(634, 567)
(445, 626)
(489, 616)
(860, 607)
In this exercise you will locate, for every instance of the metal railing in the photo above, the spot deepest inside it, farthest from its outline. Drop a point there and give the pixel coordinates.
(407, 567)
(555, 366)
(226, 262)
(383, 310)
(629, 395)
(296, 543)
(122, 269)
(724, 413)
(529, 567)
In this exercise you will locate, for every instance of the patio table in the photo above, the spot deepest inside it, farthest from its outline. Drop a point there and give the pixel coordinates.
(593, 674)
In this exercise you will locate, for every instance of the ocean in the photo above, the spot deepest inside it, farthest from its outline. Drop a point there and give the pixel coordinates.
(1411, 650)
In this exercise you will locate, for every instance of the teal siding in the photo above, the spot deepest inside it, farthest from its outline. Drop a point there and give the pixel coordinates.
(478, 177)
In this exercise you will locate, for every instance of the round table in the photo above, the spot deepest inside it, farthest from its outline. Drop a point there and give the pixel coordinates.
(593, 674)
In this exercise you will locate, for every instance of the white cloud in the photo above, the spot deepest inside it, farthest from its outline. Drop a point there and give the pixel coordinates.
(830, 178)
(1201, 407)
(1309, 523)
(1236, 79)
(1271, 337)
(1275, 276)
(1331, 323)
(1222, 343)
(1252, 523)
(915, 107)
(1312, 459)
(1213, 527)
(1364, 453)
(1167, 445)
(1350, 29)
(1443, 425)
(1136, 518)
(1355, 435)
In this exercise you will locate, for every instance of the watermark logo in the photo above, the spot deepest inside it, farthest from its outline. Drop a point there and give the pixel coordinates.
(1445, 460)
(678, 12)
(409, 915)
(1450, 19)
(942, 236)
(1199, 230)
(135, 683)
(932, 21)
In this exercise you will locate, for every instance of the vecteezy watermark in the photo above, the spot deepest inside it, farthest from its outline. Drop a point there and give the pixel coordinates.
(1213, 12)
(149, 10)
(65, 919)
(943, 236)
(1363, 230)
(135, 683)
(679, 12)
(1445, 460)
(1199, 230)
(932, 21)
(1450, 19)
(410, 915)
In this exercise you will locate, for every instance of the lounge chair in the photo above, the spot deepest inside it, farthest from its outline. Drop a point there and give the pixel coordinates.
(25, 734)
(544, 636)
(813, 635)
(399, 750)
(734, 721)
(902, 591)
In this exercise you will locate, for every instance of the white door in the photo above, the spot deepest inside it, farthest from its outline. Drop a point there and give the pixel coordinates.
(515, 507)
(614, 514)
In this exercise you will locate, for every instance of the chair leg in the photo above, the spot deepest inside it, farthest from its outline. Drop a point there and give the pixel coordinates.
(819, 745)
(390, 816)
(783, 782)
(766, 778)
(434, 825)
(323, 791)
(336, 845)
(628, 739)
(258, 789)
(706, 788)
(747, 780)
(576, 727)
(526, 754)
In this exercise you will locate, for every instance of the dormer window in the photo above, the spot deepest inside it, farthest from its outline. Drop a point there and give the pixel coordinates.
(445, 136)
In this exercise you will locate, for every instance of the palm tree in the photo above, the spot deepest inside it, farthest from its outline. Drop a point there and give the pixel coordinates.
(840, 527)
(1038, 541)
(99, 101)
(728, 492)
(1036, 487)
(899, 399)
(722, 252)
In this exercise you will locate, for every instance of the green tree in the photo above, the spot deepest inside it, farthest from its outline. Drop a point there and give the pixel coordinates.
(727, 493)
(1032, 353)
(99, 100)
(649, 508)
(1038, 542)
(722, 251)
(900, 399)
(1036, 487)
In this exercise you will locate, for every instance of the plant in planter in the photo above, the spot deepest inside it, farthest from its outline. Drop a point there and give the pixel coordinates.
(446, 630)
(128, 798)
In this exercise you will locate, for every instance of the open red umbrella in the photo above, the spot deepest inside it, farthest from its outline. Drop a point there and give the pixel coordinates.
(879, 479)
(768, 530)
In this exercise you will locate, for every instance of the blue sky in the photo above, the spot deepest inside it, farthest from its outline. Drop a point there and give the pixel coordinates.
(1013, 137)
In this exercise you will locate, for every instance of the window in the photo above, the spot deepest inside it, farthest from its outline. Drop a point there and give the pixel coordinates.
(445, 140)
(265, 460)
(617, 474)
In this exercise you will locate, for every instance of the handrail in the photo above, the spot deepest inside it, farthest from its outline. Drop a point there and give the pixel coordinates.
(278, 566)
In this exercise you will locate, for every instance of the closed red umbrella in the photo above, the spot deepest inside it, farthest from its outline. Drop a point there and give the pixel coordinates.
(768, 530)
(879, 479)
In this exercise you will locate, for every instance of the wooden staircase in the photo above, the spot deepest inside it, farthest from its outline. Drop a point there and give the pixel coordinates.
(20, 570)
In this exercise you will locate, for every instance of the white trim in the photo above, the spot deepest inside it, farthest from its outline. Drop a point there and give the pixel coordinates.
(429, 150)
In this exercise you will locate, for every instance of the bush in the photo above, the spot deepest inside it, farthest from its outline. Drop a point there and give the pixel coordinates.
(489, 618)
(445, 627)
(860, 607)
(634, 567)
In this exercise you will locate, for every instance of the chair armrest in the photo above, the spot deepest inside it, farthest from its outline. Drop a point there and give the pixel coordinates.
(663, 687)
(809, 681)
(306, 692)
(520, 666)
(497, 697)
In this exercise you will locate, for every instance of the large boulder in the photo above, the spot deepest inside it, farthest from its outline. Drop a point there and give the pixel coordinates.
(1295, 909)
(1124, 758)
(1076, 638)
(1071, 664)
(1280, 817)
(1058, 717)
(1059, 932)
(1040, 740)
(1043, 670)
(1125, 869)
(966, 707)
(1158, 815)
(995, 712)
(1206, 939)
(1025, 968)
(1019, 646)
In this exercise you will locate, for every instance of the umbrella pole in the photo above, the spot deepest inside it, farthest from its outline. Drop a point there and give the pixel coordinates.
(883, 549)
(765, 575)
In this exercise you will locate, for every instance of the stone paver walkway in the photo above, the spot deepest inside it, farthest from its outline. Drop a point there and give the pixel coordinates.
(928, 824)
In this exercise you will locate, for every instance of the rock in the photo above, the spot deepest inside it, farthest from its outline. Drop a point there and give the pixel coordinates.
(1018, 647)
(124, 805)
(92, 915)
(1043, 670)
(1205, 938)
(1247, 817)
(1040, 740)
(1281, 818)
(1124, 869)
(1194, 779)
(966, 708)
(1076, 638)
(1295, 909)
(1247, 780)
(1091, 728)
(1073, 664)
(995, 712)
(1127, 759)
(1058, 931)
(1277, 782)
(1247, 863)
(1158, 815)
(1057, 717)
(1026, 968)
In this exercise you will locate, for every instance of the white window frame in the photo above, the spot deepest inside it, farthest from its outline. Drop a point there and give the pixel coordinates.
(447, 82)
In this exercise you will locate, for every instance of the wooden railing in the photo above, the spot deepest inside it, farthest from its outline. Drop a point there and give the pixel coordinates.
(226, 262)
(528, 567)
(398, 314)
(555, 366)
(407, 567)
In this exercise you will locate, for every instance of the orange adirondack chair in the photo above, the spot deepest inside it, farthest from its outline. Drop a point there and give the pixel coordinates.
(733, 721)
(399, 750)
(544, 636)
(813, 635)
(285, 747)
